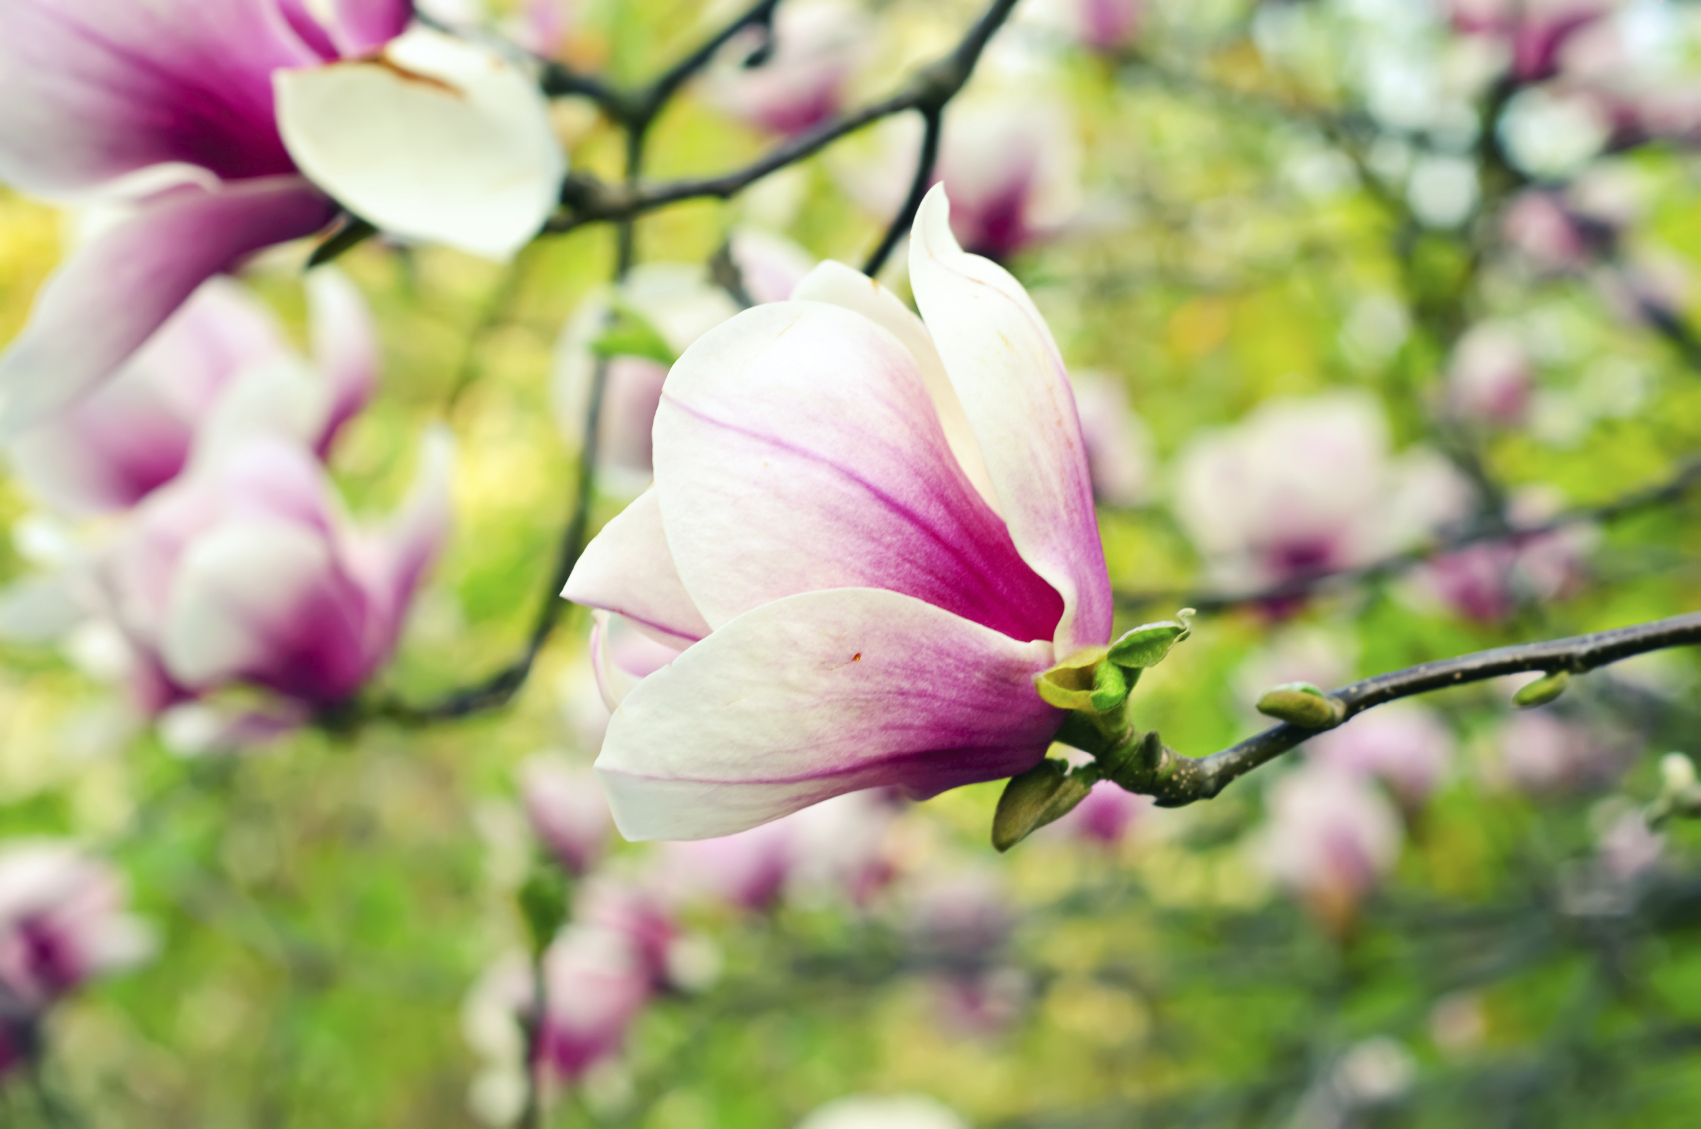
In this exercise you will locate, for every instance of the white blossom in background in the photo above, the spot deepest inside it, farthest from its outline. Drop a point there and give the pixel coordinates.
(818, 46)
(1330, 837)
(896, 1111)
(1542, 754)
(1405, 745)
(566, 810)
(1119, 445)
(1491, 377)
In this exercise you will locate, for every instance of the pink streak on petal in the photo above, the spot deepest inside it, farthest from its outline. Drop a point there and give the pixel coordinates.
(112, 295)
(1013, 387)
(797, 450)
(815, 695)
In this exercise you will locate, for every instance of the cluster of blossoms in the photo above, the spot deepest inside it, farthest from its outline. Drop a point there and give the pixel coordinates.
(62, 923)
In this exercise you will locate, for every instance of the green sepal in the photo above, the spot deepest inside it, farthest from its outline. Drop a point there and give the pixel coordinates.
(1110, 687)
(1542, 690)
(351, 233)
(1147, 644)
(630, 334)
(1046, 792)
(1301, 703)
(1069, 684)
(542, 898)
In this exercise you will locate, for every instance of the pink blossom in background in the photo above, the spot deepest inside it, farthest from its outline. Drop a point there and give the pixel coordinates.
(1488, 581)
(1534, 32)
(818, 45)
(62, 921)
(638, 908)
(111, 448)
(1403, 744)
(1627, 847)
(747, 870)
(1538, 225)
(1108, 25)
(1331, 836)
(770, 266)
(566, 810)
(1119, 448)
(1104, 817)
(1491, 377)
(246, 570)
(1310, 486)
(1542, 754)
(868, 533)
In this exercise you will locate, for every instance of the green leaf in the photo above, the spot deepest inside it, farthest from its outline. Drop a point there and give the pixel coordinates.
(630, 334)
(1147, 644)
(1044, 793)
(1542, 690)
(1301, 703)
(1110, 687)
(350, 234)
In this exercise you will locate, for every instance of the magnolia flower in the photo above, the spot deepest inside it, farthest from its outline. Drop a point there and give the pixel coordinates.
(1403, 744)
(680, 303)
(1541, 754)
(113, 447)
(1104, 26)
(1308, 486)
(1104, 816)
(1331, 836)
(1491, 377)
(566, 810)
(868, 534)
(1533, 31)
(1488, 581)
(62, 921)
(800, 83)
(174, 116)
(747, 870)
(1119, 448)
(638, 910)
(897, 1111)
(247, 570)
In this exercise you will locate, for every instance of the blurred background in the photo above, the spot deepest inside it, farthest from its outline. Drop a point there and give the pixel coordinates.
(1380, 317)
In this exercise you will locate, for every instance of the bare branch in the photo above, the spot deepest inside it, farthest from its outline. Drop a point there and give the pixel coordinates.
(932, 123)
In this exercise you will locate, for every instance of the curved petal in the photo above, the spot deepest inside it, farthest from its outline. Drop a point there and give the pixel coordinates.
(816, 695)
(796, 450)
(844, 286)
(1015, 392)
(437, 139)
(93, 89)
(267, 602)
(111, 296)
(345, 347)
(628, 569)
(623, 654)
(358, 27)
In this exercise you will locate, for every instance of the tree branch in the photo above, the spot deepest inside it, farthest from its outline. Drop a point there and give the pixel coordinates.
(1672, 490)
(933, 121)
(1176, 780)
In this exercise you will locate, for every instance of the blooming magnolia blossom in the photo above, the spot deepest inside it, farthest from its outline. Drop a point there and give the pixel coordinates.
(1331, 835)
(817, 46)
(1542, 754)
(681, 304)
(134, 434)
(1403, 744)
(869, 533)
(247, 570)
(174, 117)
(1533, 31)
(1119, 448)
(566, 810)
(1491, 377)
(1105, 816)
(1308, 486)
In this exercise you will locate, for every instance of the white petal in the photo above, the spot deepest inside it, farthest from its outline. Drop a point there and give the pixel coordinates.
(436, 139)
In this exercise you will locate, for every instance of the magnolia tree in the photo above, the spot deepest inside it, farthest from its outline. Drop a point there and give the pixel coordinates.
(982, 434)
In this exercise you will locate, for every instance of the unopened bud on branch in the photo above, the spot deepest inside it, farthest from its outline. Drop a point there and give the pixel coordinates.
(1542, 690)
(1301, 703)
(1041, 795)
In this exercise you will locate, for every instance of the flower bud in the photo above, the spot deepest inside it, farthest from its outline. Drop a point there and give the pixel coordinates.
(1044, 793)
(1147, 644)
(1677, 773)
(1542, 690)
(1301, 703)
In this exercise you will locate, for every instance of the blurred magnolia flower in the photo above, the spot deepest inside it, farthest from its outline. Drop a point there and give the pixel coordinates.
(639, 909)
(1119, 448)
(62, 922)
(1010, 161)
(246, 570)
(1490, 378)
(681, 304)
(174, 117)
(1403, 744)
(1486, 582)
(898, 1111)
(565, 807)
(114, 446)
(1532, 31)
(746, 870)
(1626, 846)
(867, 535)
(798, 82)
(1551, 133)
(1104, 26)
(1309, 486)
(1331, 836)
(1541, 754)
(957, 917)
(1538, 226)
(1105, 816)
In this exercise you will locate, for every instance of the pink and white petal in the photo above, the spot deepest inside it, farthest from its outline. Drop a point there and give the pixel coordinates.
(265, 601)
(797, 450)
(1008, 373)
(359, 27)
(623, 654)
(839, 285)
(91, 90)
(439, 140)
(816, 695)
(628, 569)
(345, 347)
(111, 296)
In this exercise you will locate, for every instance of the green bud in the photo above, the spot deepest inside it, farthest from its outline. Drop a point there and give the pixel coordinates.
(543, 903)
(629, 334)
(1542, 690)
(1301, 703)
(1147, 644)
(1677, 772)
(1070, 684)
(1046, 792)
(1110, 687)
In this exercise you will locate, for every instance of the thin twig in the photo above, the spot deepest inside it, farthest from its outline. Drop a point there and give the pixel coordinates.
(1178, 780)
(932, 122)
(1673, 489)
